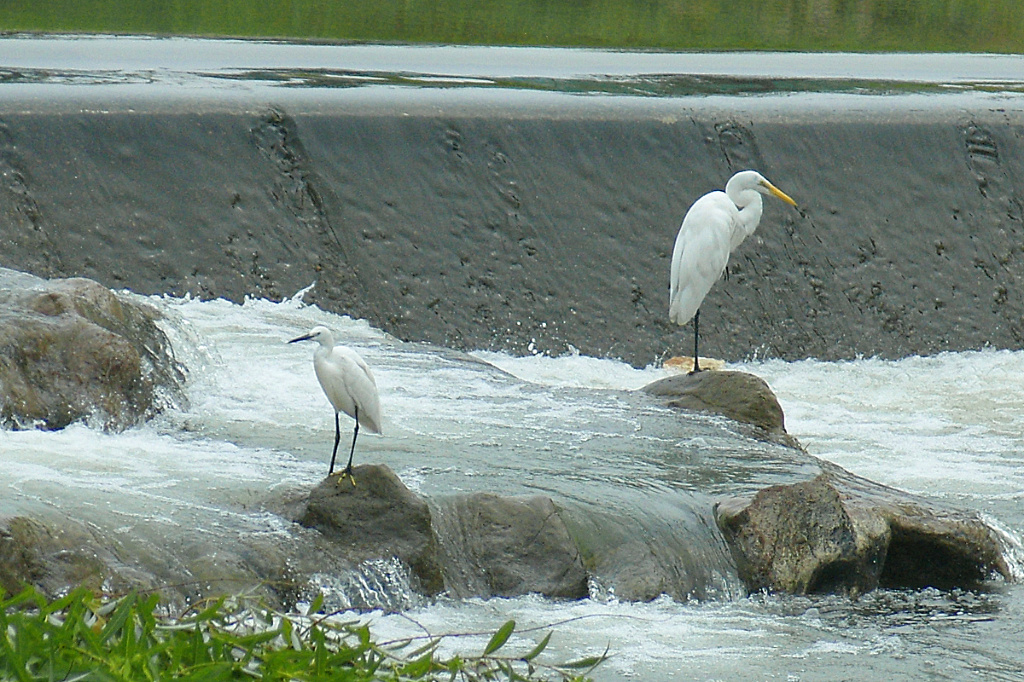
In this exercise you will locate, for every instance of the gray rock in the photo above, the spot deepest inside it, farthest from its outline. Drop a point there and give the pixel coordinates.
(58, 553)
(377, 518)
(841, 533)
(508, 546)
(71, 349)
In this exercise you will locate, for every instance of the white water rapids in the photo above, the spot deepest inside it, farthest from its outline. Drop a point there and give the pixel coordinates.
(949, 427)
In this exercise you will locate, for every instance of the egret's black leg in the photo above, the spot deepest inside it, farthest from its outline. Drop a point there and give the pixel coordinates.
(355, 433)
(337, 439)
(696, 361)
(351, 452)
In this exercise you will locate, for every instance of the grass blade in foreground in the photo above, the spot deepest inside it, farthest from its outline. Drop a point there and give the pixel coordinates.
(82, 637)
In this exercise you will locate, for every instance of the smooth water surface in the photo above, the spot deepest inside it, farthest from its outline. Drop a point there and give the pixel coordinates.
(227, 67)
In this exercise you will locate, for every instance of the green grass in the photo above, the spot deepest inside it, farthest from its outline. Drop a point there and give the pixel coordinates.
(81, 637)
(857, 25)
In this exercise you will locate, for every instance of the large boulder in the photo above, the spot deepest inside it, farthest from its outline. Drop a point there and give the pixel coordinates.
(508, 546)
(842, 533)
(71, 349)
(374, 516)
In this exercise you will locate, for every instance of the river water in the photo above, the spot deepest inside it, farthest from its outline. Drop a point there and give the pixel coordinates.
(948, 427)
(127, 70)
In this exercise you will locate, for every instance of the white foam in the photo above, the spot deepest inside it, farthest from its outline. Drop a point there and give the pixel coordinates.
(575, 370)
(951, 425)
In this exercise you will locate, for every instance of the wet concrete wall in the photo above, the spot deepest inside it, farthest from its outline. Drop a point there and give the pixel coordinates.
(541, 228)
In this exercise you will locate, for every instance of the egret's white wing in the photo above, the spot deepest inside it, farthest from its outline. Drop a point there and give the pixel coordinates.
(360, 384)
(701, 253)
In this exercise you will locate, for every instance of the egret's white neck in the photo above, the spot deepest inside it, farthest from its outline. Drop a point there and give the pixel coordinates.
(741, 197)
(750, 207)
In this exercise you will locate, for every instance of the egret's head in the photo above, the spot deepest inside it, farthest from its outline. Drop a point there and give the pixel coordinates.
(320, 334)
(750, 179)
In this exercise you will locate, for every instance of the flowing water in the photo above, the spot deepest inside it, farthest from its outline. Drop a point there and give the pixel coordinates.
(257, 427)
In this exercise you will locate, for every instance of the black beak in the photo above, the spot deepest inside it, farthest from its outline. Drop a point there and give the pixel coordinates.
(305, 337)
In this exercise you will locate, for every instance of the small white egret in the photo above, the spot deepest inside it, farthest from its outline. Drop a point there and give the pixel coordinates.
(349, 384)
(714, 227)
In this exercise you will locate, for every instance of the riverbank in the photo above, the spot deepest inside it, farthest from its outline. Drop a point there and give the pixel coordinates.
(926, 25)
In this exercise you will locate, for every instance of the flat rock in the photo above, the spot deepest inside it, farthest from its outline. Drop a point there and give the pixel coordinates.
(684, 363)
(841, 533)
(508, 546)
(71, 349)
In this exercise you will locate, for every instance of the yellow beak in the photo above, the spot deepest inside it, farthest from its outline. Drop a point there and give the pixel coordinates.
(779, 193)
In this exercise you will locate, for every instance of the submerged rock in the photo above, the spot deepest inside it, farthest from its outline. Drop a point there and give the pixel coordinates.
(53, 557)
(71, 349)
(841, 533)
(634, 567)
(56, 553)
(508, 546)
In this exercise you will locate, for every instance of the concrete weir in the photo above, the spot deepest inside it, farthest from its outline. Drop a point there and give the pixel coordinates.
(509, 218)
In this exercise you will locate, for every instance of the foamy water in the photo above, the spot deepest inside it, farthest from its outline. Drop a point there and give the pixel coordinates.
(949, 426)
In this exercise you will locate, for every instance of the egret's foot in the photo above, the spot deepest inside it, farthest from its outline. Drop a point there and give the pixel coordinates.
(347, 473)
(694, 371)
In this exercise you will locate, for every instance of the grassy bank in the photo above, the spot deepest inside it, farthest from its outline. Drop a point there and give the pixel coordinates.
(857, 25)
(81, 637)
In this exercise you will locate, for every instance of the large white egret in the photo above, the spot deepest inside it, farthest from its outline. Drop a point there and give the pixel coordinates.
(714, 227)
(348, 384)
